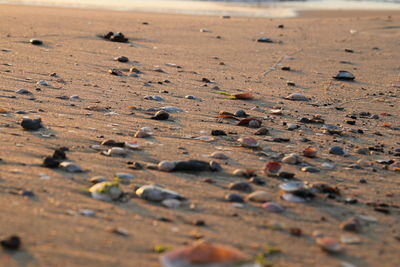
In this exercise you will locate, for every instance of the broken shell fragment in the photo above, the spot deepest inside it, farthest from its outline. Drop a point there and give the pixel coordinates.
(258, 196)
(297, 97)
(70, 167)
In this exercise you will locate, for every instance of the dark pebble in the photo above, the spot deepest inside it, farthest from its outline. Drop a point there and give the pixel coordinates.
(11, 243)
(36, 41)
(241, 186)
(217, 133)
(31, 125)
(264, 40)
(50, 162)
(234, 198)
(161, 115)
(336, 150)
(286, 175)
(257, 181)
(240, 113)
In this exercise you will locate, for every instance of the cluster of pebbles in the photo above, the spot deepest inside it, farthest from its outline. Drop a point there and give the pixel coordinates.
(248, 187)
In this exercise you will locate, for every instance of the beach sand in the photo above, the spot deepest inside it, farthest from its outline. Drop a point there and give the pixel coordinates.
(50, 224)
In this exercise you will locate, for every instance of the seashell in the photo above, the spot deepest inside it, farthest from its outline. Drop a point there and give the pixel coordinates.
(244, 173)
(70, 167)
(23, 92)
(156, 193)
(273, 207)
(344, 75)
(115, 72)
(154, 97)
(122, 59)
(310, 152)
(247, 121)
(106, 191)
(75, 98)
(241, 186)
(171, 203)
(310, 169)
(258, 196)
(43, 83)
(272, 167)
(264, 40)
(249, 142)
(297, 97)
(112, 143)
(166, 166)
(203, 253)
(219, 155)
(142, 134)
(352, 225)
(329, 244)
(328, 166)
(204, 138)
(292, 159)
(292, 186)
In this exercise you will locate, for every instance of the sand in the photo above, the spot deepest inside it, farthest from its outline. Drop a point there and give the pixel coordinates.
(50, 225)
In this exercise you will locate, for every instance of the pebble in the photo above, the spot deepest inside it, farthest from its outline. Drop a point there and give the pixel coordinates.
(219, 155)
(310, 169)
(116, 37)
(352, 225)
(240, 113)
(154, 97)
(143, 133)
(236, 198)
(70, 167)
(31, 124)
(297, 97)
(75, 98)
(272, 168)
(249, 142)
(257, 181)
(218, 133)
(262, 131)
(122, 59)
(344, 75)
(241, 186)
(23, 92)
(171, 109)
(292, 159)
(337, 150)
(273, 207)
(11, 243)
(292, 126)
(43, 83)
(160, 115)
(115, 151)
(258, 196)
(264, 40)
(310, 152)
(36, 41)
(166, 166)
(156, 193)
(329, 244)
(106, 191)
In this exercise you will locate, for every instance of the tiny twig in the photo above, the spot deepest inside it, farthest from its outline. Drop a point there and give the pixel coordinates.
(280, 61)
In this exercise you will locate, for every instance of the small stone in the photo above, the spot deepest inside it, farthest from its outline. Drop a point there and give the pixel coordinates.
(240, 113)
(121, 59)
(329, 245)
(310, 169)
(115, 72)
(292, 159)
(50, 162)
(11, 243)
(257, 181)
(241, 186)
(290, 83)
(292, 126)
(272, 168)
(344, 75)
(254, 124)
(160, 115)
(36, 41)
(219, 155)
(285, 68)
(75, 98)
(258, 196)
(262, 131)
(156, 193)
(143, 133)
(264, 40)
(116, 151)
(297, 97)
(236, 198)
(70, 167)
(286, 175)
(43, 83)
(171, 203)
(337, 150)
(112, 143)
(119, 231)
(23, 92)
(218, 133)
(97, 179)
(272, 207)
(249, 142)
(87, 213)
(166, 166)
(352, 225)
(31, 125)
